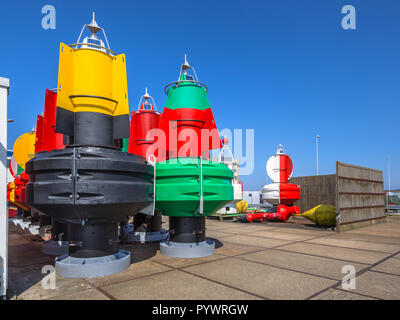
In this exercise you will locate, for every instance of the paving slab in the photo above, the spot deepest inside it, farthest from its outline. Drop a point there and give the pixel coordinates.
(393, 231)
(304, 231)
(389, 266)
(242, 229)
(378, 285)
(347, 254)
(383, 233)
(217, 234)
(22, 277)
(63, 286)
(219, 224)
(266, 281)
(248, 226)
(356, 244)
(182, 262)
(293, 270)
(366, 238)
(140, 251)
(395, 220)
(216, 227)
(233, 249)
(91, 294)
(24, 254)
(282, 235)
(334, 294)
(254, 241)
(318, 266)
(216, 222)
(136, 270)
(15, 239)
(174, 285)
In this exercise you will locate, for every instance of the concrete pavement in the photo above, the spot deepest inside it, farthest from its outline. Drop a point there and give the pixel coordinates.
(252, 261)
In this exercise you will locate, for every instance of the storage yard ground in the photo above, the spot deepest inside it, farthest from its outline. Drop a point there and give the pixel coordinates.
(252, 261)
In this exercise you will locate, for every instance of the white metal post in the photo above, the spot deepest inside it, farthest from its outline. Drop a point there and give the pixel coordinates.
(4, 87)
(388, 193)
(316, 147)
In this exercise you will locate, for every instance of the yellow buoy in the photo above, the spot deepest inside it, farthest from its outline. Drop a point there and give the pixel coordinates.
(241, 206)
(322, 215)
(24, 148)
(11, 186)
(92, 81)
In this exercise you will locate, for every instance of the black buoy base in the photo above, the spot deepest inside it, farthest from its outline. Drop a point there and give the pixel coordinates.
(44, 220)
(187, 229)
(92, 240)
(59, 230)
(92, 251)
(145, 229)
(150, 223)
(187, 238)
(58, 244)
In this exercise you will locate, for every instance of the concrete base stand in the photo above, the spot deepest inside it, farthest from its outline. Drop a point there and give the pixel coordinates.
(69, 267)
(187, 250)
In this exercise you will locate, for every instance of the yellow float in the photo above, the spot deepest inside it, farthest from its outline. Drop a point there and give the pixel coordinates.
(24, 148)
(322, 215)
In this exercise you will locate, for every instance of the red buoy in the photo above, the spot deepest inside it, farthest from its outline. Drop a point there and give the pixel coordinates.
(280, 191)
(142, 122)
(46, 137)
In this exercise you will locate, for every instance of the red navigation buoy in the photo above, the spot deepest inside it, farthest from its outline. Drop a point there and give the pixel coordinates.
(143, 120)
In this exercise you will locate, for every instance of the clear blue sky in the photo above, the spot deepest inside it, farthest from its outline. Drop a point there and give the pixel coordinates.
(285, 68)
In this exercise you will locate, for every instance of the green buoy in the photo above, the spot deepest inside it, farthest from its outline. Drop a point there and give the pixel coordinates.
(190, 187)
(182, 181)
(187, 190)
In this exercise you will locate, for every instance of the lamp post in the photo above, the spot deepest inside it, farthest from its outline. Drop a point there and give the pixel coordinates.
(316, 147)
(387, 194)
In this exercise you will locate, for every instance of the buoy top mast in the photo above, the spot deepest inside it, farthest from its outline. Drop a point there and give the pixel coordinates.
(280, 150)
(147, 105)
(226, 156)
(187, 76)
(93, 41)
(279, 167)
(184, 74)
(225, 150)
